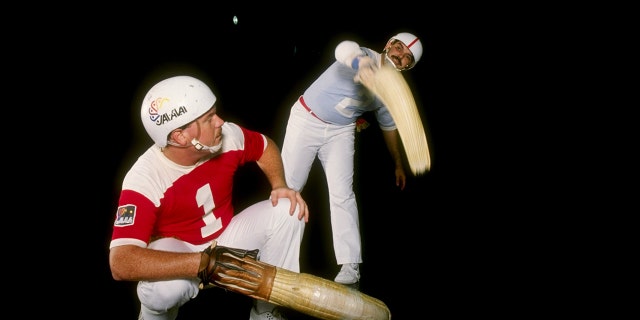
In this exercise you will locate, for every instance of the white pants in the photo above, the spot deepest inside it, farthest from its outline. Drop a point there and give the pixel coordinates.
(307, 137)
(261, 226)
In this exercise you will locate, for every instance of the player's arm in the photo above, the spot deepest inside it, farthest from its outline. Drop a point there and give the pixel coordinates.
(351, 55)
(271, 165)
(130, 262)
(392, 140)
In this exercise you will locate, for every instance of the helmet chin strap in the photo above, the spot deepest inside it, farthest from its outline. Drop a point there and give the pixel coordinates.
(196, 144)
(199, 146)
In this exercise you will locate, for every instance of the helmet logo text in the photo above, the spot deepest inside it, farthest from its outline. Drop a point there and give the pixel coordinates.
(163, 118)
(173, 114)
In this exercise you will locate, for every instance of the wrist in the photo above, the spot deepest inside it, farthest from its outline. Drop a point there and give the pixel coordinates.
(205, 260)
(355, 63)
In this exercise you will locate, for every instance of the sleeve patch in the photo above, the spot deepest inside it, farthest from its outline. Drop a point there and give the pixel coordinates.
(125, 216)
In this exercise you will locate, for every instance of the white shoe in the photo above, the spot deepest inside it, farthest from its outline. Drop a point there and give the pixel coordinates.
(267, 315)
(349, 273)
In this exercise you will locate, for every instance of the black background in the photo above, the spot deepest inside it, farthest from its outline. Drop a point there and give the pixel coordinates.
(427, 250)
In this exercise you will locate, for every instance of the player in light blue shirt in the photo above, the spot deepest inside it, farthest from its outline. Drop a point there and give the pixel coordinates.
(322, 124)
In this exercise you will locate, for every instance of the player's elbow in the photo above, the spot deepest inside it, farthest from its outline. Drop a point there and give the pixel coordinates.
(117, 273)
(118, 266)
(116, 276)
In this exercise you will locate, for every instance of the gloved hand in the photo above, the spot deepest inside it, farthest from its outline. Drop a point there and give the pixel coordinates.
(236, 270)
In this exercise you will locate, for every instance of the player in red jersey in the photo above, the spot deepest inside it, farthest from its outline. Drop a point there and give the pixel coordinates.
(176, 200)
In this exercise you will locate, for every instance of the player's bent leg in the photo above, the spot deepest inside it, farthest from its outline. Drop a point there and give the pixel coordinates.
(282, 248)
(276, 233)
(283, 237)
(278, 236)
(160, 300)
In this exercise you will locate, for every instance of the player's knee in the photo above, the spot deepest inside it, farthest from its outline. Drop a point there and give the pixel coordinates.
(282, 209)
(161, 296)
(283, 216)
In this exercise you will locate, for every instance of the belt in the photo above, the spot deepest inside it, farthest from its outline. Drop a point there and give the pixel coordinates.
(309, 109)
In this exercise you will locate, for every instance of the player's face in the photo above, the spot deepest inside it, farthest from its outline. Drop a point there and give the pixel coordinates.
(400, 55)
(210, 128)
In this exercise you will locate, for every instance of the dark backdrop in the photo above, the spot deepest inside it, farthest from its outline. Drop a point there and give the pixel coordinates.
(424, 248)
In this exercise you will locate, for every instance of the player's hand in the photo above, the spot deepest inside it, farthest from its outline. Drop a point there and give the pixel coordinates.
(401, 178)
(236, 270)
(296, 201)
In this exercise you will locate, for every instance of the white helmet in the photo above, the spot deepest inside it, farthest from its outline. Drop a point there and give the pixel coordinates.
(413, 43)
(173, 103)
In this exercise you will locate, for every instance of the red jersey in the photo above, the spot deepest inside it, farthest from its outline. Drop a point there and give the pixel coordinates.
(160, 198)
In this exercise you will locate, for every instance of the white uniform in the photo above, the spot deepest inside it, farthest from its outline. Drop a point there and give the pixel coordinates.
(322, 124)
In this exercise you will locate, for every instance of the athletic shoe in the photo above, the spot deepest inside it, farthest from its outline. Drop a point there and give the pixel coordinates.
(273, 315)
(349, 274)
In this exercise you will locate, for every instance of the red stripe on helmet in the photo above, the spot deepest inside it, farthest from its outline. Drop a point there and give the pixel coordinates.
(412, 42)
